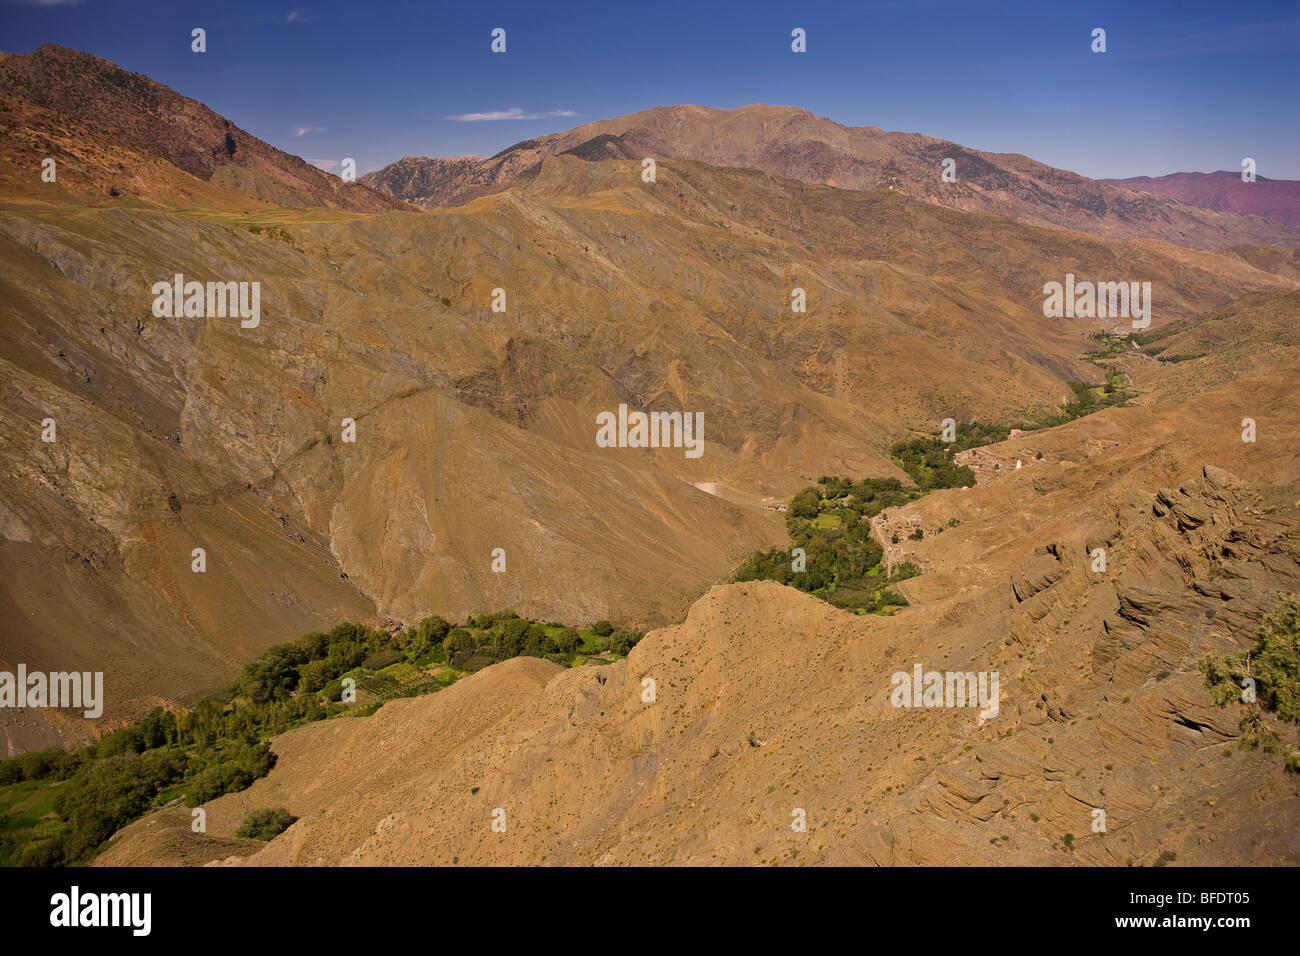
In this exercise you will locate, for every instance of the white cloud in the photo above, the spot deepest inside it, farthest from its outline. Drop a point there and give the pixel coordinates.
(296, 16)
(326, 164)
(514, 113)
(304, 130)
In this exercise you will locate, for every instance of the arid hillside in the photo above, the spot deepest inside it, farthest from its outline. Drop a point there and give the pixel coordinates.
(469, 351)
(406, 425)
(120, 138)
(794, 144)
(475, 428)
(1100, 704)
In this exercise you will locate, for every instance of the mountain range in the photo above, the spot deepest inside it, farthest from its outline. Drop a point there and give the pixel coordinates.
(472, 317)
(794, 144)
(1224, 191)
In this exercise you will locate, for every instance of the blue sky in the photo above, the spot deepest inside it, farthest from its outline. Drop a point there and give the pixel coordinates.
(1182, 86)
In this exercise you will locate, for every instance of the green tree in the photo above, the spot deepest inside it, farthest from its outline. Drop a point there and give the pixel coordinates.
(1273, 665)
(806, 504)
(567, 641)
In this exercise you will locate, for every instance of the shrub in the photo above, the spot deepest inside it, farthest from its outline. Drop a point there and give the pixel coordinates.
(567, 641)
(39, 764)
(265, 824)
(110, 794)
(602, 628)
(1274, 666)
(457, 641)
(230, 776)
(623, 642)
(10, 772)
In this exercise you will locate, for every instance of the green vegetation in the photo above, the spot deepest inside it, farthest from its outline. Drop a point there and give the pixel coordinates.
(274, 233)
(1113, 345)
(265, 824)
(1087, 399)
(841, 562)
(929, 462)
(22, 805)
(1274, 667)
(58, 807)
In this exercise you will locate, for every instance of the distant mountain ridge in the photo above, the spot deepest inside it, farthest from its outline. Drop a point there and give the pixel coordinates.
(106, 127)
(795, 144)
(1224, 191)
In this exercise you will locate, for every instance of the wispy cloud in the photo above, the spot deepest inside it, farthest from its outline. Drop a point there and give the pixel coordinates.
(304, 130)
(328, 165)
(514, 113)
(296, 16)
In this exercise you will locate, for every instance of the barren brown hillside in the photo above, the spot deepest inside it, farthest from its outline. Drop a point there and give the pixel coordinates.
(1101, 707)
(476, 427)
(1224, 191)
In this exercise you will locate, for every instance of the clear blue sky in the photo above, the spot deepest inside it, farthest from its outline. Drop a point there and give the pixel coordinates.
(1183, 85)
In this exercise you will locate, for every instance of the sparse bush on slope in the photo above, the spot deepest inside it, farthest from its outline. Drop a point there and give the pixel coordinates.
(265, 824)
(1266, 679)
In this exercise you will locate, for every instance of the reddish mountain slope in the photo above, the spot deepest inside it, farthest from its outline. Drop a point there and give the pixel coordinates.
(114, 133)
(1223, 191)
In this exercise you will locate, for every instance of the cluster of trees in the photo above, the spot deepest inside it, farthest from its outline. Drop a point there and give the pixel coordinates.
(841, 561)
(490, 638)
(929, 461)
(219, 745)
(109, 783)
(1087, 399)
(1266, 679)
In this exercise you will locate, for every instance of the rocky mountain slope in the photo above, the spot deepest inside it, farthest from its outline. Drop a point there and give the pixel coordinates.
(476, 428)
(117, 135)
(1224, 191)
(1100, 707)
(794, 144)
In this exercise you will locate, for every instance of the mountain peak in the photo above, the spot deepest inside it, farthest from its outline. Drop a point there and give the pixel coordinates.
(57, 95)
(796, 144)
